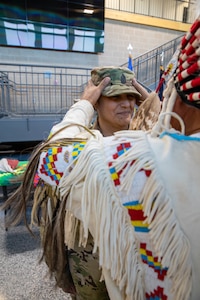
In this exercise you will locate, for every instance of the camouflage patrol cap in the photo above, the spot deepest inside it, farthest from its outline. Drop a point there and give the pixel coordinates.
(121, 81)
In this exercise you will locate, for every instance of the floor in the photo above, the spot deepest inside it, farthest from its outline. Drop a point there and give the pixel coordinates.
(21, 275)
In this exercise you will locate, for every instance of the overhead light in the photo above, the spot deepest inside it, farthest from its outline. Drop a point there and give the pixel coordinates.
(88, 11)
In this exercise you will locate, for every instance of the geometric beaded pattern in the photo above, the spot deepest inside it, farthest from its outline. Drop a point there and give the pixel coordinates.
(157, 294)
(137, 216)
(152, 262)
(48, 167)
(121, 149)
(77, 148)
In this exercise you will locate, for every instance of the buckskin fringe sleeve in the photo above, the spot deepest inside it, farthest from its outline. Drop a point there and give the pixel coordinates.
(170, 242)
(102, 213)
(108, 221)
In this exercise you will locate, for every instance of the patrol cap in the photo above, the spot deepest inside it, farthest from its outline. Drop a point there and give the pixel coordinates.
(121, 81)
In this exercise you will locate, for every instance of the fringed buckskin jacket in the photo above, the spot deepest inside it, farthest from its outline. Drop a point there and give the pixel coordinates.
(139, 198)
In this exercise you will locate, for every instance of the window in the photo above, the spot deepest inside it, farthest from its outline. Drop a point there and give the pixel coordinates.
(53, 24)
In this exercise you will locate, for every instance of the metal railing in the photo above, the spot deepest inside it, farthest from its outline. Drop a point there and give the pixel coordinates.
(147, 66)
(27, 90)
(37, 90)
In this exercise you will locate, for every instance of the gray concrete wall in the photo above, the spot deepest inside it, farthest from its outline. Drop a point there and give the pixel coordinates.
(118, 35)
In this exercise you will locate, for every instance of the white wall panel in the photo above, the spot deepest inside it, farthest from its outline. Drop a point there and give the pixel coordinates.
(179, 11)
(193, 11)
(112, 4)
(156, 8)
(128, 5)
(142, 7)
(169, 9)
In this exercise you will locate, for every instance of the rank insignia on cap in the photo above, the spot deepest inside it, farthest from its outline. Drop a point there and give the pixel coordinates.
(123, 79)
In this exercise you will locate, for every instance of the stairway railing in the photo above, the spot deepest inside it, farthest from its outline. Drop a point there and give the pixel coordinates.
(50, 90)
(147, 66)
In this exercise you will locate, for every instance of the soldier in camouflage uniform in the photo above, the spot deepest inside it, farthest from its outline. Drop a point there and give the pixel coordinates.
(114, 111)
(87, 283)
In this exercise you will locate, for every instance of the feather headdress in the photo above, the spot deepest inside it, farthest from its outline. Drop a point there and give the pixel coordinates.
(182, 76)
(187, 74)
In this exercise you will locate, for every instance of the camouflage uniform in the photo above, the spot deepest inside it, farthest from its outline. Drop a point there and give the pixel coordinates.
(83, 263)
(86, 274)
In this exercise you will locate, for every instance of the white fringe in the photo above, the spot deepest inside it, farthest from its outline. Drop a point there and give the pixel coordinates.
(169, 241)
(71, 224)
(110, 224)
(112, 230)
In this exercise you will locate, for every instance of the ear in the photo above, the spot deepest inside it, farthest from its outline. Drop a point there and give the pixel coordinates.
(96, 105)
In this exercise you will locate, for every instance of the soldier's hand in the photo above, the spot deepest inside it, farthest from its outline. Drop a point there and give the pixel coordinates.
(93, 92)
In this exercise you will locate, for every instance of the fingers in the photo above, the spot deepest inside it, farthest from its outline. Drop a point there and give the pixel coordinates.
(93, 92)
(140, 89)
(90, 83)
(104, 83)
(101, 85)
(134, 81)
